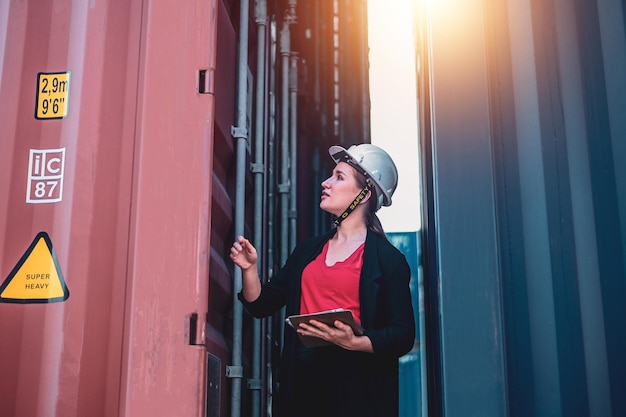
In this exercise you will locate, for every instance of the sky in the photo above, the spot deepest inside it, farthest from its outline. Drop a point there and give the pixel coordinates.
(394, 106)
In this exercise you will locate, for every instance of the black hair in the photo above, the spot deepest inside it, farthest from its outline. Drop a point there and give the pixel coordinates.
(371, 219)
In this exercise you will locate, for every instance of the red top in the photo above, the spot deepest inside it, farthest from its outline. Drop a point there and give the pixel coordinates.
(329, 287)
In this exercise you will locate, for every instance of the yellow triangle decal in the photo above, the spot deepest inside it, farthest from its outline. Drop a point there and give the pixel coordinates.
(37, 277)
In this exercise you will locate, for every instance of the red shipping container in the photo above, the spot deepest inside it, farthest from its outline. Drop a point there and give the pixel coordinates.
(106, 160)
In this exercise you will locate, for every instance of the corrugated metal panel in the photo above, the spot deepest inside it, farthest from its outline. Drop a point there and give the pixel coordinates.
(130, 222)
(171, 225)
(412, 398)
(219, 318)
(525, 210)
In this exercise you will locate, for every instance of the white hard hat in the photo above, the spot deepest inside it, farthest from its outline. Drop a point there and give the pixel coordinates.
(374, 163)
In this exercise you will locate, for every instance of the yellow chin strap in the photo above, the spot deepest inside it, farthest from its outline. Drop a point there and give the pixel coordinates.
(352, 206)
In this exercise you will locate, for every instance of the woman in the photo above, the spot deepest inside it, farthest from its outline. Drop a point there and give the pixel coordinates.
(353, 266)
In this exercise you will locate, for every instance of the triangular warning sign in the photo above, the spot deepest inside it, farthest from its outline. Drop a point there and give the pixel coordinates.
(37, 277)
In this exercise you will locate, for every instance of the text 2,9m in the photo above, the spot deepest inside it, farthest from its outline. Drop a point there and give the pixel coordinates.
(53, 90)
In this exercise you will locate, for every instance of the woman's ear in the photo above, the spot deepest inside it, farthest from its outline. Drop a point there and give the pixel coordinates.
(367, 197)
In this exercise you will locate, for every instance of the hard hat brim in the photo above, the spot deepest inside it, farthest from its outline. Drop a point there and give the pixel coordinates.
(341, 154)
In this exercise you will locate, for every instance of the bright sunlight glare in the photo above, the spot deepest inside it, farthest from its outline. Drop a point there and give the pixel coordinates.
(393, 97)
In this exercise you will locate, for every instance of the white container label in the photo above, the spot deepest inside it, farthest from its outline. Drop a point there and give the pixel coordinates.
(45, 176)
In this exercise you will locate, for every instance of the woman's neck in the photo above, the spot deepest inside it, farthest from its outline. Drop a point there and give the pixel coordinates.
(351, 229)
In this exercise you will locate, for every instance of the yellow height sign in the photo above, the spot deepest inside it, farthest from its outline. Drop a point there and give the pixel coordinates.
(37, 277)
(53, 95)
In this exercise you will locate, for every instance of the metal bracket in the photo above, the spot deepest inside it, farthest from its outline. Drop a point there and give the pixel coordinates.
(257, 168)
(260, 12)
(284, 188)
(239, 132)
(254, 384)
(234, 371)
(292, 214)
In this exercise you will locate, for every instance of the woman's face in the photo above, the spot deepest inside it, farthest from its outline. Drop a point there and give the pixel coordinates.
(340, 189)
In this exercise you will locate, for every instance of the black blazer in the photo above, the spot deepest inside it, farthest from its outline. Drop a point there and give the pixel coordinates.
(385, 302)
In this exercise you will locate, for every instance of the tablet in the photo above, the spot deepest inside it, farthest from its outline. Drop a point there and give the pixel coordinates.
(328, 317)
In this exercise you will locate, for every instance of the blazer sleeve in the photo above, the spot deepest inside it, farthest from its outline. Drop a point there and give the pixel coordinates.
(276, 292)
(273, 294)
(393, 332)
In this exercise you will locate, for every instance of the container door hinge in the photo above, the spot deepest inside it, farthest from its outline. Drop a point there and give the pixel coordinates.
(194, 330)
(205, 81)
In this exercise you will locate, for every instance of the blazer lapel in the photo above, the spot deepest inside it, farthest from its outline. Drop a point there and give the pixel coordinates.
(370, 273)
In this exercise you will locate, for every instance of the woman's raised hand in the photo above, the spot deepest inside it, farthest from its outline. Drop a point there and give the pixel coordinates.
(243, 253)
